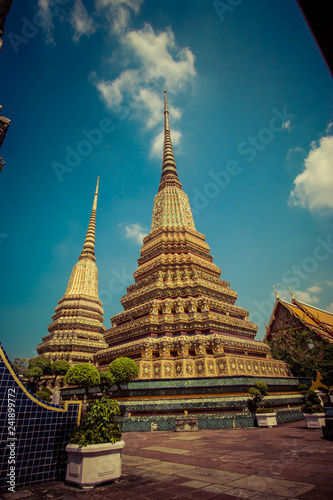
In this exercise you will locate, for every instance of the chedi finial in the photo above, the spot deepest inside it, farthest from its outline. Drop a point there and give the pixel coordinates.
(169, 170)
(88, 250)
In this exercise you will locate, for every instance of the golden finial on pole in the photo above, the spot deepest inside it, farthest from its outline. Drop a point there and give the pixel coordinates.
(96, 195)
(165, 101)
(88, 250)
(166, 113)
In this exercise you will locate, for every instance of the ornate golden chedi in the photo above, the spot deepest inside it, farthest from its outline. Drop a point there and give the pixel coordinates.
(77, 329)
(180, 318)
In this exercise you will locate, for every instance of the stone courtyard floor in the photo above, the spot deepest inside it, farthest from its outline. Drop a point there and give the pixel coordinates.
(285, 462)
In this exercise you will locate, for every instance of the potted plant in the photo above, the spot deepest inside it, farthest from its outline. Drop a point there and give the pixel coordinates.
(266, 416)
(312, 408)
(94, 452)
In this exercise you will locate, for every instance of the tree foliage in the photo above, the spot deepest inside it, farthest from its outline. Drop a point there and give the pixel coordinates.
(33, 375)
(39, 366)
(45, 394)
(304, 352)
(107, 380)
(124, 370)
(41, 362)
(311, 402)
(84, 375)
(258, 394)
(98, 425)
(20, 365)
(60, 367)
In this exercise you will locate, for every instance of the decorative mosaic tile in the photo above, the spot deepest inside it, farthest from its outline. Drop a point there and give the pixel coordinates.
(40, 432)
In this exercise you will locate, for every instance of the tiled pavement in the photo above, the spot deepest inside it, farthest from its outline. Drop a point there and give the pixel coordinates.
(285, 462)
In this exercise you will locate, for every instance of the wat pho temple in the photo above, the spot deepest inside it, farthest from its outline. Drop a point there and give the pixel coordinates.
(195, 348)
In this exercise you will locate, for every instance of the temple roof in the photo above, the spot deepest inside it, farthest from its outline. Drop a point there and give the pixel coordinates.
(318, 320)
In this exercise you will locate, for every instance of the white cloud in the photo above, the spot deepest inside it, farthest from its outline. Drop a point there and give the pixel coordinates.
(328, 128)
(136, 232)
(314, 186)
(314, 289)
(286, 125)
(113, 92)
(299, 295)
(151, 102)
(330, 307)
(160, 57)
(45, 14)
(80, 20)
(297, 149)
(329, 283)
(118, 13)
(156, 63)
(305, 297)
(283, 294)
(157, 144)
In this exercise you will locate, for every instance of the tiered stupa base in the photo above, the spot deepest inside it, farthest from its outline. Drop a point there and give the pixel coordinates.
(216, 402)
(186, 356)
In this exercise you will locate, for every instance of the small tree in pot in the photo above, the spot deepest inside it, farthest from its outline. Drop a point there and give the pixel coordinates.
(94, 452)
(312, 408)
(266, 416)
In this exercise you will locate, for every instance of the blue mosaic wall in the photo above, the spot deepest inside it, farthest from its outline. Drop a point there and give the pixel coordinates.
(33, 433)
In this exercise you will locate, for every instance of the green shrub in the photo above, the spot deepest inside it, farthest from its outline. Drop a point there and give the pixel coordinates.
(98, 425)
(258, 394)
(107, 380)
(311, 402)
(60, 367)
(44, 394)
(41, 362)
(84, 375)
(124, 370)
(265, 410)
(303, 387)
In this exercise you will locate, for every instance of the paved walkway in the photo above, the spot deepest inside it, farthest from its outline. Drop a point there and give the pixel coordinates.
(285, 462)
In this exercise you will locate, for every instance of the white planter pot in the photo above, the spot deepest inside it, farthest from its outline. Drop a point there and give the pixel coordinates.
(314, 420)
(93, 464)
(266, 419)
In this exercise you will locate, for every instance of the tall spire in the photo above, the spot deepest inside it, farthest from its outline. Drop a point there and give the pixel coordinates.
(77, 329)
(171, 204)
(88, 250)
(169, 169)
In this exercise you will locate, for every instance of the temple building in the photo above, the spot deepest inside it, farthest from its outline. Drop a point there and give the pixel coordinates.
(4, 9)
(4, 122)
(301, 317)
(180, 319)
(77, 329)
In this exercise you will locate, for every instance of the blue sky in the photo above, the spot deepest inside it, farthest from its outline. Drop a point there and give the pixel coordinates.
(250, 101)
